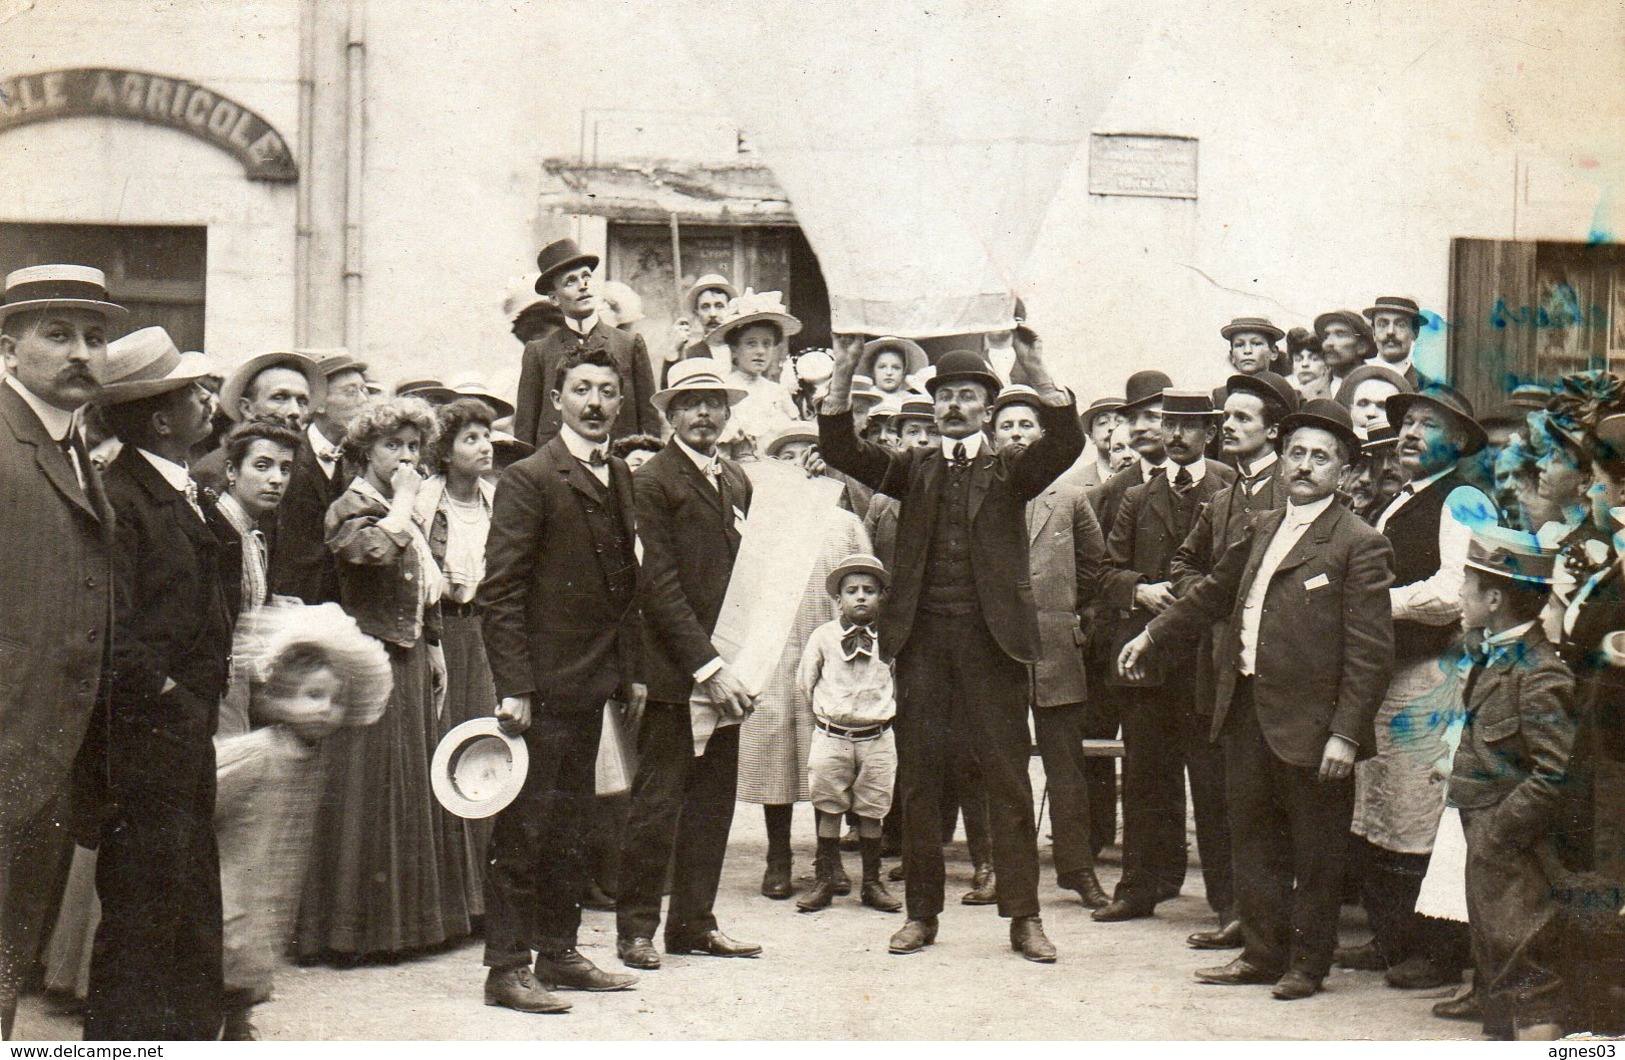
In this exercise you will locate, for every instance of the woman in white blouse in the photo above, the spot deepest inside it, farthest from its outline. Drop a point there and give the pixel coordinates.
(755, 330)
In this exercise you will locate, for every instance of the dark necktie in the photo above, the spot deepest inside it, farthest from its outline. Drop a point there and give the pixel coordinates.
(1183, 481)
(961, 460)
(856, 641)
(1156, 471)
(597, 459)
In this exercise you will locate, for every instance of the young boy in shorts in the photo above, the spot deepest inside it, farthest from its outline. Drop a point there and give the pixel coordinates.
(853, 761)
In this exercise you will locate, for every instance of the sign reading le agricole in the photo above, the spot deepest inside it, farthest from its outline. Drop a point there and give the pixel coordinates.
(139, 96)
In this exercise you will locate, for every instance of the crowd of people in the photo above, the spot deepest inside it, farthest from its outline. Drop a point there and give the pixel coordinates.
(1374, 633)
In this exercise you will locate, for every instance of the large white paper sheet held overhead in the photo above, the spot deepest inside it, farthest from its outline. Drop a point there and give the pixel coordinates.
(920, 143)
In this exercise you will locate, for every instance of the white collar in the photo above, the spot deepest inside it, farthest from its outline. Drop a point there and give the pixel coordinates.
(1304, 514)
(1265, 462)
(700, 460)
(579, 447)
(1418, 485)
(972, 442)
(1399, 367)
(1198, 470)
(1507, 636)
(232, 510)
(56, 422)
(318, 440)
(1148, 470)
(174, 474)
(584, 326)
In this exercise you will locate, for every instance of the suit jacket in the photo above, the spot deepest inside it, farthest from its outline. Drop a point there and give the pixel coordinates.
(1107, 497)
(1326, 638)
(690, 537)
(535, 420)
(552, 629)
(1140, 549)
(1066, 557)
(170, 624)
(56, 570)
(1000, 487)
(300, 563)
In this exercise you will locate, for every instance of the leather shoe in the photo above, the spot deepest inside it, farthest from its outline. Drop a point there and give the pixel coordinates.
(1295, 986)
(843, 882)
(1123, 909)
(776, 880)
(1420, 973)
(896, 873)
(1237, 973)
(638, 952)
(822, 893)
(1090, 893)
(597, 900)
(1366, 958)
(875, 896)
(1028, 939)
(914, 936)
(714, 944)
(1465, 1007)
(984, 889)
(517, 989)
(1226, 938)
(569, 970)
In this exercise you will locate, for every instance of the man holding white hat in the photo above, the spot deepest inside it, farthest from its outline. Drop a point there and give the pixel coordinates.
(156, 968)
(56, 566)
(690, 501)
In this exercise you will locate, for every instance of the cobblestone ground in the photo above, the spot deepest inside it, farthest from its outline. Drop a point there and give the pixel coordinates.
(828, 976)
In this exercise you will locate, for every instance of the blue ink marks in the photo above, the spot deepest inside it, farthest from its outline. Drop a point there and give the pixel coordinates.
(1471, 508)
(1562, 309)
(1599, 233)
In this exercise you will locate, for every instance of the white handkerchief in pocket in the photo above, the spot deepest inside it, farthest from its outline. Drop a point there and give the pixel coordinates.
(1319, 581)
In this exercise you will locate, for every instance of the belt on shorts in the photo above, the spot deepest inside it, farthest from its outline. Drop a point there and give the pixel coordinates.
(867, 732)
(468, 610)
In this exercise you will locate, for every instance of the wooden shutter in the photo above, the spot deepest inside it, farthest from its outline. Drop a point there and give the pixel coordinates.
(1489, 277)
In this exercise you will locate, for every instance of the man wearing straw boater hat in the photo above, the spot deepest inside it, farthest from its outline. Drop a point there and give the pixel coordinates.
(1395, 323)
(567, 275)
(690, 503)
(1307, 650)
(706, 304)
(156, 968)
(282, 387)
(960, 620)
(56, 566)
(1162, 736)
(563, 636)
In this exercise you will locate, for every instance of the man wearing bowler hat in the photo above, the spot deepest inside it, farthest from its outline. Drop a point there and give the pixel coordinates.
(301, 564)
(1162, 737)
(155, 971)
(563, 636)
(690, 503)
(1094, 467)
(960, 618)
(56, 566)
(1398, 800)
(1306, 647)
(1395, 323)
(567, 275)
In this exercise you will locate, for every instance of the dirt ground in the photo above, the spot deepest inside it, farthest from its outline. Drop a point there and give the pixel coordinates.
(828, 976)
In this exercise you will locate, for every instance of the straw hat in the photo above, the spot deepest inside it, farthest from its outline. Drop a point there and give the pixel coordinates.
(267, 634)
(59, 286)
(478, 769)
(753, 308)
(913, 354)
(467, 387)
(147, 362)
(711, 281)
(858, 563)
(696, 373)
(231, 391)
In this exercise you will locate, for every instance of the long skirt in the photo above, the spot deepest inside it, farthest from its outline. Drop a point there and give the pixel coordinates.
(384, 876)
(470, 694)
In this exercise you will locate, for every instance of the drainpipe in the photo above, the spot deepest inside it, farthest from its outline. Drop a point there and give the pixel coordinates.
(355, 63)
(303, 236)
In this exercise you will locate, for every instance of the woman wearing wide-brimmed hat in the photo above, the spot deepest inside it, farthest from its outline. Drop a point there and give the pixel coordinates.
(754, 330)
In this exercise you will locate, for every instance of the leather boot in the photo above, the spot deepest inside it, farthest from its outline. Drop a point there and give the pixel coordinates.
(517, 989)
(776, 880)
(1028, 939)
(823, 890)
(984, 889)
(875, 895)
(914, 936)
(843, 882)
(569, 970)
(1090, 893)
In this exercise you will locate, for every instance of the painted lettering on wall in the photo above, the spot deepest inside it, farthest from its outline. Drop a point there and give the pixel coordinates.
(154, 99)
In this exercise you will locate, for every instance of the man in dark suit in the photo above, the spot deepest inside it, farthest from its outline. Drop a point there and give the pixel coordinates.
(1254, 407)
(960, 618)
(56, 566)
(1162, 736)
(567, 275)
(155, 970)
(301, 565)
(563, 636)
(280, 388)
(1066, 556)
(690, 502)
(1307, 651)
(1395, 323)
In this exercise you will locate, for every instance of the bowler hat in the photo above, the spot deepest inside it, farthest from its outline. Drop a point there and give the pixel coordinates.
(1097, 407)
(1352, 381)
(1511, 554)
(696, 373)
(1352, 319)
(1382, 436)
(963, 366)
(1257, 325)
(1266, 385)
(1611, 436)
(1016, 394)
(418, 386)
(478, 769)
(1448, 400)
(1327, 415)
(467, 387)
(231, 391)
(1176, 402)
(1145, 387)
(147, 362)
(1390, 303)
(557, 256)
(59, 286)
(858, 563)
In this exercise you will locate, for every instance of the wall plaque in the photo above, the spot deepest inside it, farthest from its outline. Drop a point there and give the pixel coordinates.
(1161, 167)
